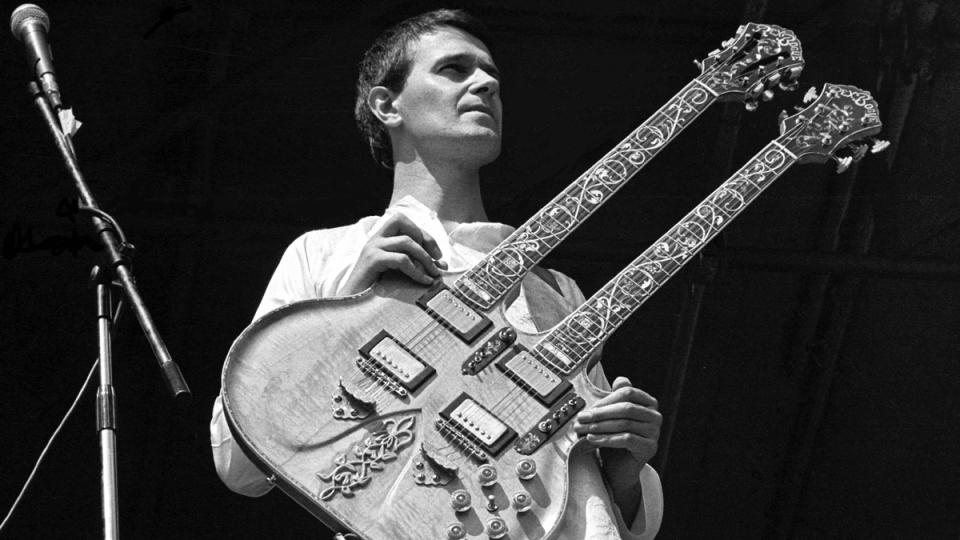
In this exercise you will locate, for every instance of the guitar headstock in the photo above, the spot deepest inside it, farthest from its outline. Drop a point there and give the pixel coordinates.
(833, 125)
(751, 63)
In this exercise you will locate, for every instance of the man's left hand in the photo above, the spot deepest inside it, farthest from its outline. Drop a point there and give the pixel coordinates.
(627, 419)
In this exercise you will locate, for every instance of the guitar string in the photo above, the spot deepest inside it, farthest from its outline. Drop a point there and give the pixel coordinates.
(714, 203)
(564, 330)
(674, 124)
(609, 161)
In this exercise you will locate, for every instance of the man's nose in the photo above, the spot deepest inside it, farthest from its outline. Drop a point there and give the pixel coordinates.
(485, 83)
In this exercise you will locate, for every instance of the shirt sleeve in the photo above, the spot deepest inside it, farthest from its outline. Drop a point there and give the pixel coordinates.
(291, 282)
(646, 523)
(293, 279)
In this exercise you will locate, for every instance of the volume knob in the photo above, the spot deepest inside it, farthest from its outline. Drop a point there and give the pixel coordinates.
(496, 528)
(522, 501)
(526, 468)
(487, 475)
(455, 531)
(460, 500)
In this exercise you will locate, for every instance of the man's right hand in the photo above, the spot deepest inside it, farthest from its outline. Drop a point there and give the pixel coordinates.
(399, 245)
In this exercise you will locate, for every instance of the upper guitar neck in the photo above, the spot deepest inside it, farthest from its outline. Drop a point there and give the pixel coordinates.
(486, 283)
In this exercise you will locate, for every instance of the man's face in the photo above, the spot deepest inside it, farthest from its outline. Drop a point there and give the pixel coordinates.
(450, 103)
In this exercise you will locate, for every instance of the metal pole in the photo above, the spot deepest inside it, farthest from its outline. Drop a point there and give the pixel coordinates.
(106, 408)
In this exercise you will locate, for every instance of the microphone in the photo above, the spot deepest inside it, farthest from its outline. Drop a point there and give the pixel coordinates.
(30, 24)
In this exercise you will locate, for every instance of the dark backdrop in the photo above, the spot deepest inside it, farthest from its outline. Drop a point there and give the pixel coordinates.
(819, 395)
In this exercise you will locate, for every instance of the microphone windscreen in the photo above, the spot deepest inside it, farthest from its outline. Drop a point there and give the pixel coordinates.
(24, 13)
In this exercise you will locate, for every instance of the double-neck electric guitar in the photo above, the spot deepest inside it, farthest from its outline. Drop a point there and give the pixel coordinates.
(419, 412)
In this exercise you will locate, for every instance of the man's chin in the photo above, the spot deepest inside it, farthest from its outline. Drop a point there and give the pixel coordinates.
(487, 148)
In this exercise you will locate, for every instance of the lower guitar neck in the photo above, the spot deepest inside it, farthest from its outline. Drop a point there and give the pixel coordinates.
(571, 343)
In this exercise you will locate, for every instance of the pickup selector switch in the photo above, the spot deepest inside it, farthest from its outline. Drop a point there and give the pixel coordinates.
(526, 469)
(546, 426)
(487, 475)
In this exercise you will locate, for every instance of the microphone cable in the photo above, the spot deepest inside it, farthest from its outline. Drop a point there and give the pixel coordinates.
(56, 432)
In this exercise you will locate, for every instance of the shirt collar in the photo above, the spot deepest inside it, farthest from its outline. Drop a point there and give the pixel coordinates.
(465, 244)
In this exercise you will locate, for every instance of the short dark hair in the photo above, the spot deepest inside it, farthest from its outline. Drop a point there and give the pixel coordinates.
(387, 63)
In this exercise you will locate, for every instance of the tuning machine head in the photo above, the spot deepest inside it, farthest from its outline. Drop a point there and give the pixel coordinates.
(843, 163)
(878, 145)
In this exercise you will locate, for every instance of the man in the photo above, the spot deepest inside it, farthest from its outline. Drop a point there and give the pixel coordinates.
(428, 103)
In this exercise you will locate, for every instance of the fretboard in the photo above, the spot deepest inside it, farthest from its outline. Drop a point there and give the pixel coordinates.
(571, 342)
(486, 283)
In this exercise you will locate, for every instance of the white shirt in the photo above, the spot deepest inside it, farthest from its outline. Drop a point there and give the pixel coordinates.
(317, 265)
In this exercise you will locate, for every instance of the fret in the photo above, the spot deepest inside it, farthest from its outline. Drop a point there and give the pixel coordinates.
(594, 321)
(493, 284)
(530, 243)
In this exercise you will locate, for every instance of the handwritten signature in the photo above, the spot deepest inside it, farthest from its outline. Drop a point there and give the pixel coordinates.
(21, 239)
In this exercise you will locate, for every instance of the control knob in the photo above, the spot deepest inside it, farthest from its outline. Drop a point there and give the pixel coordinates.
(460, 500)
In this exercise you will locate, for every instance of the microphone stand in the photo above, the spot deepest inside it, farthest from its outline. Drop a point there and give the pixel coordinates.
(115, 274)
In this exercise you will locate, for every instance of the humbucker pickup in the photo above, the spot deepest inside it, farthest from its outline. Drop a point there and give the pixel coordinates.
(472, 422)
(533, 376)
(397, 361)
(454, 313)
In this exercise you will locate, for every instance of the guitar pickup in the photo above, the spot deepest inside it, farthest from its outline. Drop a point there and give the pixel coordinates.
(397, 361)
(472, 425)
(560, 414)
(466, 322)
(533, 376)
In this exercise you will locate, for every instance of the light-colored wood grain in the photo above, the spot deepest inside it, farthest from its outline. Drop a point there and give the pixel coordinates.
(279, 380)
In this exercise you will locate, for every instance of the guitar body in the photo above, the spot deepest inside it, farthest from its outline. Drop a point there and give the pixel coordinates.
(381, 467)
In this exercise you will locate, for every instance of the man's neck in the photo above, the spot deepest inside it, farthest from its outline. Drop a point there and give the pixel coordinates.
(452, 192)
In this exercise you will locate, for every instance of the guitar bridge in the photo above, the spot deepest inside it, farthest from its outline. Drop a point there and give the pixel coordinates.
(347, 404)
(430, 469)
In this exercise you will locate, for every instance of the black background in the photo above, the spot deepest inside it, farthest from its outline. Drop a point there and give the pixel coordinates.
(817, 402)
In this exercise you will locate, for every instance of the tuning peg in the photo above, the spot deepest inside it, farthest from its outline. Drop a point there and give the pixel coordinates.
(699, 64)
(879, 145)
(782, 117)
(857, 151)
(843, 163)
(727, 43)
(767, 95)
(751, 105)
(788, 86)
(773, 79)
(810, 96)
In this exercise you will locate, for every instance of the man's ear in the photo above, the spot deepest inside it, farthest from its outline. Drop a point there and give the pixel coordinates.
(381, 102)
